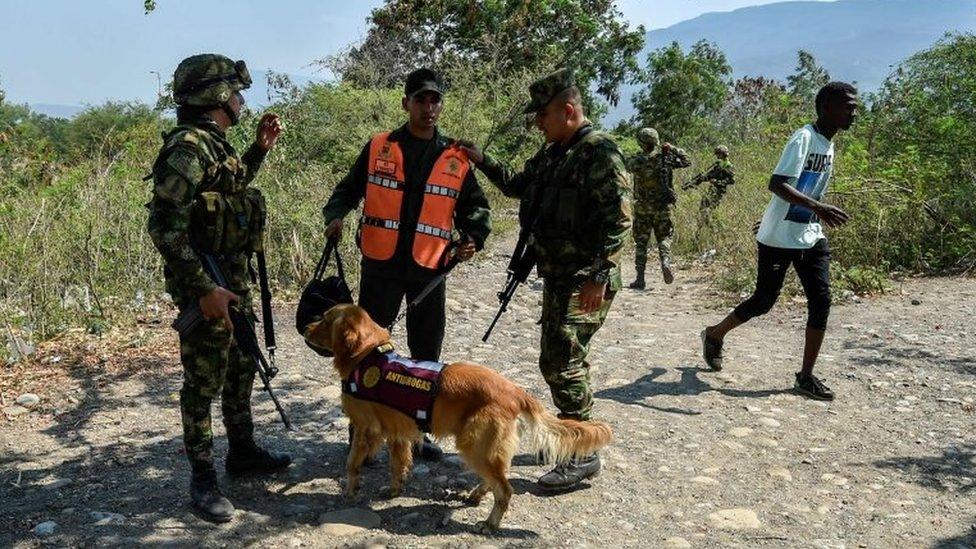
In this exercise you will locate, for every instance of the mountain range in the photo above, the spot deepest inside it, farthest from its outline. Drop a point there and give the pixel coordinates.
(855, 40)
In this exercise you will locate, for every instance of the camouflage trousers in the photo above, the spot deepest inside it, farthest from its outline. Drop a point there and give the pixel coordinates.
(566, 335)
(652, 218)
(710, 198)
(213, 365)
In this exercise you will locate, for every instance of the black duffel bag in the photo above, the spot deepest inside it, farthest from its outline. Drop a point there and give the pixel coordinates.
(321, 294)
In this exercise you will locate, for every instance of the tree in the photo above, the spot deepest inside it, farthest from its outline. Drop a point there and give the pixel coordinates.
(921, 127)
(807, 78)
(757, 109)
(514, 35)
(683, 90)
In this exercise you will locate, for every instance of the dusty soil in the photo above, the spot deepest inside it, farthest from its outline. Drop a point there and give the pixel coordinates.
(701, 459)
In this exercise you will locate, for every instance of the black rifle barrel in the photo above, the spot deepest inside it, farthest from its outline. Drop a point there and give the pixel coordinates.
(267, 315)
(244, 334)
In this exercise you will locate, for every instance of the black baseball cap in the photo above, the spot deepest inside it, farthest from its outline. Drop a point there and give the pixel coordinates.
(423, 80)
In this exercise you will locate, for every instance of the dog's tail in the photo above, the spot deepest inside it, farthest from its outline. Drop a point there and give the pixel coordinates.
(560, 439)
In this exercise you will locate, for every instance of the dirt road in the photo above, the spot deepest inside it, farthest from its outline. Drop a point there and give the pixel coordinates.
(700, 459)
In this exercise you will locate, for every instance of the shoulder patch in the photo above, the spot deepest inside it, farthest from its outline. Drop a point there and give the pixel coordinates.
(186, 162)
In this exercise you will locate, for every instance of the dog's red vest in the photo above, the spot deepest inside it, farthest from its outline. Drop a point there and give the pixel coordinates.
(406, 385)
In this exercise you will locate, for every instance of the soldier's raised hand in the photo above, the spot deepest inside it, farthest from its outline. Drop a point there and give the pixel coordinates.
(269, 130)
(472, 150)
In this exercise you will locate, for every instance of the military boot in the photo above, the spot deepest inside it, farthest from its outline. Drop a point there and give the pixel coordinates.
(638, 283)
(246, 458)
(666, 270)
(206, 497)
(569, 474)
(427, 450)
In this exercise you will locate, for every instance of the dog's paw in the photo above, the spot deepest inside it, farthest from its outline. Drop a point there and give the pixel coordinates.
(485, 528)
(388, 492)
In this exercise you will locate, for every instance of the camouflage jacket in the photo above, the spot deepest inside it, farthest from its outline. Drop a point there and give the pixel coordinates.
(720, 175)
(575, 200)
(196, 173)
(654, 176)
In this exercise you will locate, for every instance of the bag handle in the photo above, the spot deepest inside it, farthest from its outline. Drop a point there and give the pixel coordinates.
(331, 248)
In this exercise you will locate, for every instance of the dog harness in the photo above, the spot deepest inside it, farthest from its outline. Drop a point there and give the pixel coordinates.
(406, 385)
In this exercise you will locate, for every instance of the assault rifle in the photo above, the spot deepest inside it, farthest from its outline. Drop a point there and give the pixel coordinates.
(519, 267)
(244, 334)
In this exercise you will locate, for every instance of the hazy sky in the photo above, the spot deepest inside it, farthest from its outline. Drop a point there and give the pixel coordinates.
(87, 51)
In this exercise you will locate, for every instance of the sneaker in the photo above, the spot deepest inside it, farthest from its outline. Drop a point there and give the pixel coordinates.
(711, 351)
(427, 450)
(570, 474)
(252, 460)
(811, 387)
(206, 498)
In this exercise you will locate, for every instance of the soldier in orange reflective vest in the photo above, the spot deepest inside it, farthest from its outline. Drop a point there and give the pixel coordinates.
(419, 193)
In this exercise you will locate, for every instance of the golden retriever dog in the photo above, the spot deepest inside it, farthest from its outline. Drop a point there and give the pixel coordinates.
(484, 412)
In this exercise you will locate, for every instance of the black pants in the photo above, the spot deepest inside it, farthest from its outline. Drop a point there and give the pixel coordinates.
(382, 294)
(812, 267)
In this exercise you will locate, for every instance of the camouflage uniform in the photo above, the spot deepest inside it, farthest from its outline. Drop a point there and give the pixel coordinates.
(580, 194)
(654, 196)
(201, 195)
(720, 176)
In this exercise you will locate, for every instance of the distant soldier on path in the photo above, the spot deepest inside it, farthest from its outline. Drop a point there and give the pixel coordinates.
(654, 196)
(719, 176)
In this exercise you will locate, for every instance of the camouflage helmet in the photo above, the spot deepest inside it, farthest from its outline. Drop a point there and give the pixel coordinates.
(208, 80)
(648, 137)
(721, 150)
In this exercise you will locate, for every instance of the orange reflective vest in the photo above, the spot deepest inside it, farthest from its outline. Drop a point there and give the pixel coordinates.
(379, 226)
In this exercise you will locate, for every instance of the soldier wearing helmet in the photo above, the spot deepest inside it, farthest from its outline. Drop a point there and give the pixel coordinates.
(202, 201)
(653, 199)
(720, 176)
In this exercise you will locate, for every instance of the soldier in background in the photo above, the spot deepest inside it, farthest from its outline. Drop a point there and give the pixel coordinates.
(654, 196)
(575, 196)
(720, 176)
(202, 202)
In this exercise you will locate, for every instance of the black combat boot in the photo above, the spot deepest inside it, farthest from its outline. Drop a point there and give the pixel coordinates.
(206, 497)
(638, 283)
(427, 450)
(246, 458)
(570, 473)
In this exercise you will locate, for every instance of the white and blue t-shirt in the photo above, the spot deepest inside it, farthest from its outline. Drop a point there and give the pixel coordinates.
(808, 162)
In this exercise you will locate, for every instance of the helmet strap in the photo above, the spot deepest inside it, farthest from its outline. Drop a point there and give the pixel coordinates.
(234, 117)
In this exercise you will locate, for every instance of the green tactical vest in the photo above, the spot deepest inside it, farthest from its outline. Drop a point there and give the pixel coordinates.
(227, 216)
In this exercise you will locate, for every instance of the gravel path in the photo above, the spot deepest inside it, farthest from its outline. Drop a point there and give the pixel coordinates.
(700, 459)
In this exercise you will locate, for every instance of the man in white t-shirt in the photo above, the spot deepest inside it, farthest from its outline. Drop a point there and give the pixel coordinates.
(791, 233)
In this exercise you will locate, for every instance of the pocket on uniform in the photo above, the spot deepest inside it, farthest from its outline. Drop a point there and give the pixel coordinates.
(567, 210)
(207, 222)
